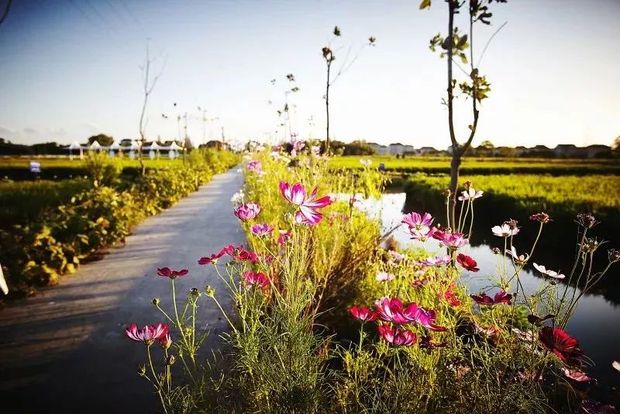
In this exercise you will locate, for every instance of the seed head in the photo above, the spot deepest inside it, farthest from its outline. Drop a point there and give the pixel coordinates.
(541, 217)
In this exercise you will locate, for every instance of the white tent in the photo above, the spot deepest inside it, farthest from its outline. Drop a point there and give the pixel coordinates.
(95, 146)
(115, 146)
(154, 146)
(174, 146)
(75, 145)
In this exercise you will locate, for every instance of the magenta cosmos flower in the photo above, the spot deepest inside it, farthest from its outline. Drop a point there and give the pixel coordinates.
(256, 278)
(393, 310)
(486, 300)
(148, 334)
(561, 344)
(396, 335)
(254, 166)
(362, 313)
(283, 236)
(172, 274)
(468, 263)
(215, 256)
(247, 211)
(261, 230)
(308, 203)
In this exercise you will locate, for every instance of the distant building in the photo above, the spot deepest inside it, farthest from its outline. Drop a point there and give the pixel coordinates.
(427, 151)
(379, 149)
(598, 151)
(400, 149)
(567, 151)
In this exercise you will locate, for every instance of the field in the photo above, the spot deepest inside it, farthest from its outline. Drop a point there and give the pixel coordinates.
(574, 193)
(485, 166)
(22, 202)
(54, 168)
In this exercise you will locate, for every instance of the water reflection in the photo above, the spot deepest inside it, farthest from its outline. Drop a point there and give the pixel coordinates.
(596, 322)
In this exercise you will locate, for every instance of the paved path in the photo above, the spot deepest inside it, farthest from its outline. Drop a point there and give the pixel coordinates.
(64, 350)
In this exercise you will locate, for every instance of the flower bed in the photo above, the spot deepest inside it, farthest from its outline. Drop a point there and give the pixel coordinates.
(424, 344)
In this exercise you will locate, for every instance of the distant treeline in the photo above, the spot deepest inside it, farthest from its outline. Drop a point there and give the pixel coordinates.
(46, 148)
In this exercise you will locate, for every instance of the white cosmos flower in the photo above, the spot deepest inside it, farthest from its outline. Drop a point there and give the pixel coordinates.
(518, 258)
(3, 286)
(366, 162)
(551, 273)
(470, 194)
(384, 277)
(504, 230)
(616, 365)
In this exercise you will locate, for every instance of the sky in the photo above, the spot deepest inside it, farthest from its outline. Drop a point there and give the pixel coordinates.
(70, 69)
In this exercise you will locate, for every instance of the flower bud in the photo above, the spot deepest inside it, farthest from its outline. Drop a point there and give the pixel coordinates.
(142, 371)
(156, 301)
(210, 291)
(171, 360)
(613, 255)
(195, 293)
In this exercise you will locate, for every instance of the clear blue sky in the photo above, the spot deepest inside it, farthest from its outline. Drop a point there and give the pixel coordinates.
(71, 68)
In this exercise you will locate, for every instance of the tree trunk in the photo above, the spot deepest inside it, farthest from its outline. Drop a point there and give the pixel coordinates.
(454, 179)
(329, 64)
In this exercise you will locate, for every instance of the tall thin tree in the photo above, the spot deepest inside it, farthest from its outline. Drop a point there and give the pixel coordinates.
(456, 45)
(148, 86)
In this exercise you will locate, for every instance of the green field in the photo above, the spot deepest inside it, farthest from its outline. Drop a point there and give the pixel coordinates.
(574, 193)
(438, 165)
(24, 201)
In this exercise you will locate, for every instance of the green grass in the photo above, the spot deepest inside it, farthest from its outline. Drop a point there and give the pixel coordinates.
(65, 162)
(24, 201)
(484, 165)
(593, 192)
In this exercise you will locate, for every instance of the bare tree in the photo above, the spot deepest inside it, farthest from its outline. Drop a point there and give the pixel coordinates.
(149, 85)
(329, 57)
(476, 86)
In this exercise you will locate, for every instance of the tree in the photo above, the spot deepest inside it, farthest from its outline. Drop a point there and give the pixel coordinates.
(102, 139)
(149, 85)
(329, 57)
(476, 87)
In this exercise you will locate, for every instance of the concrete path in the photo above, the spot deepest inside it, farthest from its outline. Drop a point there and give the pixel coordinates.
(64, 351)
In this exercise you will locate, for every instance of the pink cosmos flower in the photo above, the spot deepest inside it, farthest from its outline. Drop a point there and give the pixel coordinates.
(261, 230)
(384, 277)
(436, 261)
(284, 236)
(576, 375)
(397, 336)
(215, 256)
(256, 278)
(247, 211)
(449, 239)
(391, 310)
(148, 334)
(419, 225)
(308, 204)
(424, 317)
(362, 313)
(254, 166)
(172, 274)
(467, 262)
(398, 257)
